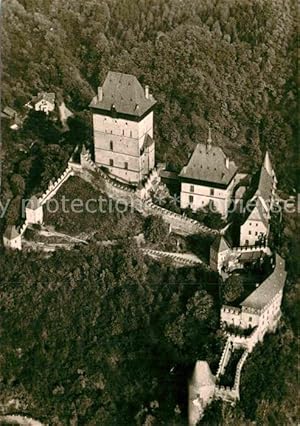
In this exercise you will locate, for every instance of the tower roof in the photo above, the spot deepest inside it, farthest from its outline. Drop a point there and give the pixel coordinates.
(220, 244)
(124, 94)
(33, 203)
(209, 165)
(11, 232)
(202, 375)
(268, 164)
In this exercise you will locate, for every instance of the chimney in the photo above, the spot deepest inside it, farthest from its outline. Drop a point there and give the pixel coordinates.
(147, 92)
(227, 162)
(100, 94)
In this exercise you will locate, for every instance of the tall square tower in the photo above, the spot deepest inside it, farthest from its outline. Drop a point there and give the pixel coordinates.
(123, 127)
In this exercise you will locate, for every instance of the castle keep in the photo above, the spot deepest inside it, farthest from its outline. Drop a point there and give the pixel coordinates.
(123, 127)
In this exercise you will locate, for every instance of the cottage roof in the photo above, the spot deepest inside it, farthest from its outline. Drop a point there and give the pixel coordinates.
(9, 111)
(260, 297)
(11, 232)
(124, 94)
(220, 244)
(49, 97)
(208, 163)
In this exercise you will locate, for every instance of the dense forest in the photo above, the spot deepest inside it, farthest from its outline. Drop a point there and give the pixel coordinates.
(100, 336)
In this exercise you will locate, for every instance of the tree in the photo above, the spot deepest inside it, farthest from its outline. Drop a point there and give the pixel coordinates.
(232, 288)
(155, 229)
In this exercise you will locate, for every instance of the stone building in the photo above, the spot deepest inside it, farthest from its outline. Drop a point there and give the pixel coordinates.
(256, 226)
(261, 309)
(34, 211)
(12, 238)
(123, 128)
(208, 178)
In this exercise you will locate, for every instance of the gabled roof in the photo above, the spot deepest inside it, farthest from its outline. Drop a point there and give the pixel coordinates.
(11, 232)
(220, 244)
(260, 297)
(124, 94)
(208, 164)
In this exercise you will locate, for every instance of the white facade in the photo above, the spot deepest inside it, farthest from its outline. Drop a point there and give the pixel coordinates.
(253, 232)
(198, 196)
(44, 106)
(14, 243)
(119, 146)
(34, 215)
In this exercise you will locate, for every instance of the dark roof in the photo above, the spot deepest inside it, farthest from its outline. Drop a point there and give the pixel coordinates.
(208, 164)
(220, 244)
(260, 297)
(11, 232)
(124, 94)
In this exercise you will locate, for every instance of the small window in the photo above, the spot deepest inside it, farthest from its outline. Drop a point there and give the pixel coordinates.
(131, 133)
(123, 132)
(111, 132)
(256, 232)
(192, 188)
(111, 162)
(250, 319)
(250, 223)
(256, 224)
(126, 165)
(249, 232)
(191, 198)
(111, 145)
(212, 192)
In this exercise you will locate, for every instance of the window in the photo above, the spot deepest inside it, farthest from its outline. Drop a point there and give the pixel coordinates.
(256, 224)
(212, 192)
(126, 165)
(192, 188)
(250, 223)
(111, 162)
(256, 232)
(191, 198)
(250, 319)
(111, 145)
(123, 132)
(249, 232)
(131, 133)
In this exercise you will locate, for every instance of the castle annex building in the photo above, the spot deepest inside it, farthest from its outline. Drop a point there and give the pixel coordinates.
(123, 127)
(209, 177)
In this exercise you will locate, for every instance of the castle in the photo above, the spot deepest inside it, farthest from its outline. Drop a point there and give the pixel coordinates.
(124, 164)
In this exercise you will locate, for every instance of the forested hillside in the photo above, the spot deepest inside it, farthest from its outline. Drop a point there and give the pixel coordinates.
(228, 63)
(104, 336)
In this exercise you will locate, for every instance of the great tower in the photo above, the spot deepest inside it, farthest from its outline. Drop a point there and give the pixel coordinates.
(123, 127)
